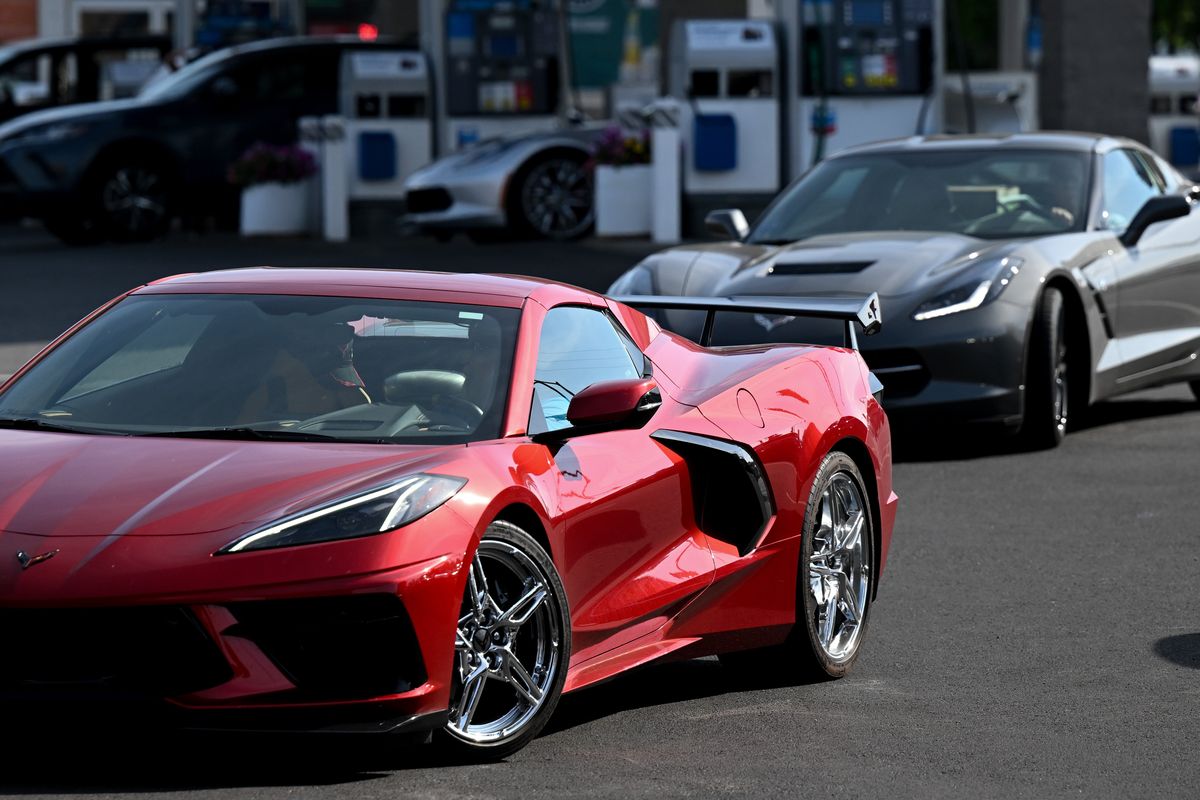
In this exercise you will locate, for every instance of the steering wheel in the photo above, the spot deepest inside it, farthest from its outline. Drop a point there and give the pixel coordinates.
(1023, 202)
(463, 415)
(459, 408)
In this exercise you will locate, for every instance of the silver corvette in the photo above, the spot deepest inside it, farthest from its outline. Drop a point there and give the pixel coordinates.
(536, 184)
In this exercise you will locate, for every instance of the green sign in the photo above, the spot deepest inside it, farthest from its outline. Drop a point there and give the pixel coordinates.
(598, 37)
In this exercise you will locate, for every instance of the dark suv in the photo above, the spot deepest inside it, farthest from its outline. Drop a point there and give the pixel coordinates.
(123, 169)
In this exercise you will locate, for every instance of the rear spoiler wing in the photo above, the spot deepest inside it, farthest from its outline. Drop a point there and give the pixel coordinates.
(863, 310)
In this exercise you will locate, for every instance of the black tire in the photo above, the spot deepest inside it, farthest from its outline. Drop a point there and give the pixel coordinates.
(132, 197)
(1047, 384)
(77, 229)
(504, 552)
(804, 657)
(551, 197)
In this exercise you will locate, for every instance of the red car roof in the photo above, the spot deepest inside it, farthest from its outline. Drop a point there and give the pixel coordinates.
(475, 288)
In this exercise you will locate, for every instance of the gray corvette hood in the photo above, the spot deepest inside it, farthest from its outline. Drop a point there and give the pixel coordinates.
(893, 264)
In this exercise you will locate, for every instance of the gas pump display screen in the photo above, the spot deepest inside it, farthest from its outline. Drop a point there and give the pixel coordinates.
(504, 45)
(868, 12)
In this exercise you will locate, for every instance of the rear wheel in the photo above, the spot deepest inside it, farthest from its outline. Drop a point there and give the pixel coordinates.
(552, 197)
(833, 583)
(1047, 392)
(512, 646)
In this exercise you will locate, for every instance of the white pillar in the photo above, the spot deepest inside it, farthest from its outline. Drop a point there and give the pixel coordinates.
(335, 180)
(665, 209)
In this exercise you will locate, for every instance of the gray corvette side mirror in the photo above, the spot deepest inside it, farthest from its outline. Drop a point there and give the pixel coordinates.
(729, 222)
(1156, 209)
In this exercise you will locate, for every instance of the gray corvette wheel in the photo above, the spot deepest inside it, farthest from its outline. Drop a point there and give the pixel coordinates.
(553, 197)
(512, 646)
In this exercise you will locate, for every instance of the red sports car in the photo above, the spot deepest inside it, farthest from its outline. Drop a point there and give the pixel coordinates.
(385, 501)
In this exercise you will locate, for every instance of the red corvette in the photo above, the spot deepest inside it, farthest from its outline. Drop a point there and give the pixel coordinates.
(376, 500)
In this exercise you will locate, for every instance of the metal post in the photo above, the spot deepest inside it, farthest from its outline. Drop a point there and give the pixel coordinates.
(566, 95)
(433, 42)
(1014, 21)
(185, 24)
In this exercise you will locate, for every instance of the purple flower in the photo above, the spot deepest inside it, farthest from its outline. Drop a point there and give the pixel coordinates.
(266, 163)
(616, 148)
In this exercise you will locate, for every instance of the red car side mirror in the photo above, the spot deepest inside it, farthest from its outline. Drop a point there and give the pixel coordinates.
(613, 402)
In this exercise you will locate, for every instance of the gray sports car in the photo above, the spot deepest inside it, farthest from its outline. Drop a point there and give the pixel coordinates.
(537, 184)
(1025, 276)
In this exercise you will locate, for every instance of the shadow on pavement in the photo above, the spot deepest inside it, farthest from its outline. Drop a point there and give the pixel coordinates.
(1130, 410)
(1183, 650)
(653, 685)
(95, 759)
(915, 442)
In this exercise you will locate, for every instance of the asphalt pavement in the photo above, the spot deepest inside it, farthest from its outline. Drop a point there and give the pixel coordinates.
(1037, 632)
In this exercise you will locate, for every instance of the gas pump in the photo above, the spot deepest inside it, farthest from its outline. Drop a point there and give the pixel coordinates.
(501, 63)
(387, 104)
(864, 70)
(730, 74)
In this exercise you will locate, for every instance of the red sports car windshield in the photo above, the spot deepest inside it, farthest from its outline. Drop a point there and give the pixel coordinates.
(276, 367)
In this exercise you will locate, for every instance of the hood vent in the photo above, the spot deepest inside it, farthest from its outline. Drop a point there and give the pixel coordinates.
(817, 267)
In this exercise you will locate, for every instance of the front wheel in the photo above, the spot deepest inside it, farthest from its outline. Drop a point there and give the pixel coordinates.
(1047, 399)
(512, 646)
(132, 197)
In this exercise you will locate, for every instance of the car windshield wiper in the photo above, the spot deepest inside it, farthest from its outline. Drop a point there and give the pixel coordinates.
(244, 434)
(34, 424)
(556, 387)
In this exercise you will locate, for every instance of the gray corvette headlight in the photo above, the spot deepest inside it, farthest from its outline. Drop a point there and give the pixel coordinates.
(638, 280)
(381, 509)
(981, 284)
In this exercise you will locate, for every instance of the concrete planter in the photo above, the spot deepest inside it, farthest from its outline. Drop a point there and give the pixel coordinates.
(623, 200)
(275, 209)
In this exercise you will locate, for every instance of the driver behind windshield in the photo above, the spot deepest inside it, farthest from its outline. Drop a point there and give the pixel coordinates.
(312, 374)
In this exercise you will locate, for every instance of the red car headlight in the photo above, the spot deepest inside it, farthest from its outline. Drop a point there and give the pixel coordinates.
(364, 514)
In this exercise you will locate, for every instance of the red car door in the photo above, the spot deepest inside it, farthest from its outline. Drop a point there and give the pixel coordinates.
(629, 553)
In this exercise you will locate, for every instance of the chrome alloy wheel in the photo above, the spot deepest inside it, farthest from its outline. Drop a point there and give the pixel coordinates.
(556, 198)
(838, 572)
(507, 646)
(134, 199)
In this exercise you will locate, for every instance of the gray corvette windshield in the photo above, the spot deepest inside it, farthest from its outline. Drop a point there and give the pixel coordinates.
(991, 194)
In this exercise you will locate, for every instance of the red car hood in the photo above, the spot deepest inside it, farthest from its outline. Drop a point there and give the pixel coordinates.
(59, 484)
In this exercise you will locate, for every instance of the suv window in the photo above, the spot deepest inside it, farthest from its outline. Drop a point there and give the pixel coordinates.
(1127, 187)
(303, 79)
(578, 347)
